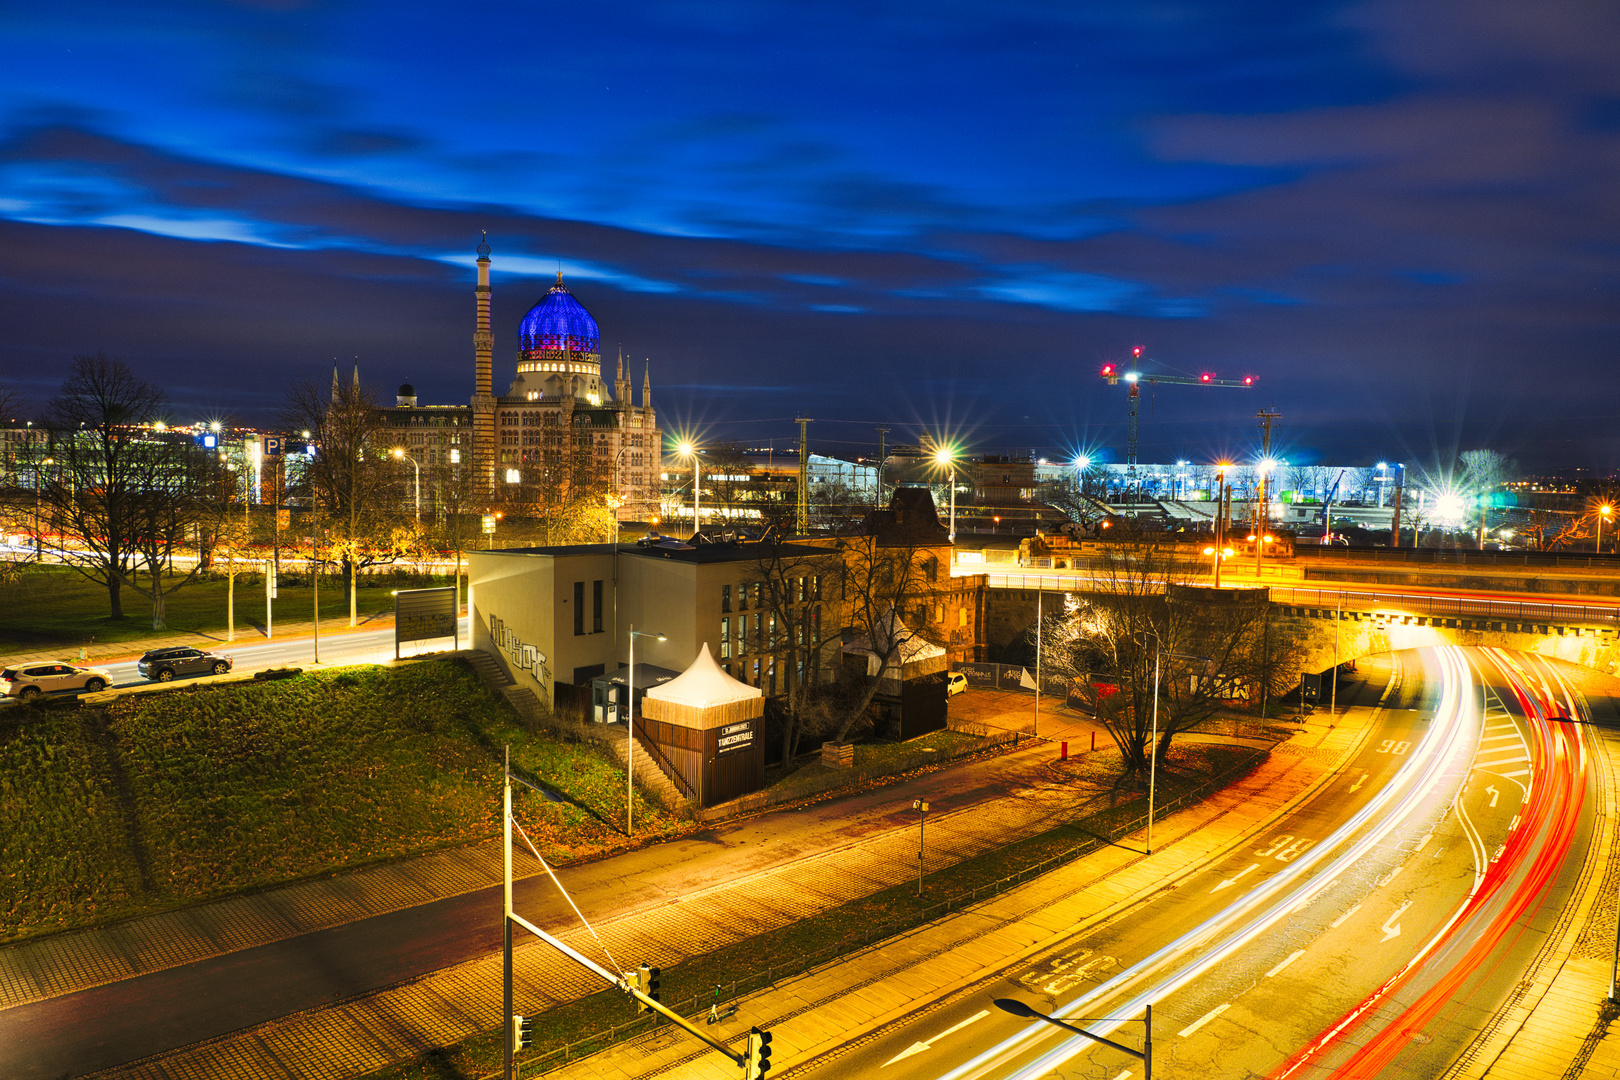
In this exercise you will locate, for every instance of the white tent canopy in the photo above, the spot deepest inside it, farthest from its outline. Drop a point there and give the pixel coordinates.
(703, 685)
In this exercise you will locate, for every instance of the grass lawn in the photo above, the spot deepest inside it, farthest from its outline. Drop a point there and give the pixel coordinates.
(156, 801)
(54, 605)
(584, 1025)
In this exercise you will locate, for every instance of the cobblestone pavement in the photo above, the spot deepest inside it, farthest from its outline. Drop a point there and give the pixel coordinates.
(369, 1032)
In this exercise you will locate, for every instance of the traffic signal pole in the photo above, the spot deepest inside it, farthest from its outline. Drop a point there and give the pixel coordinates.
(626, 981)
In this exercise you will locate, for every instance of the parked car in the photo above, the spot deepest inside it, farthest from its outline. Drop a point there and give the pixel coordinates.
(163, 665)
(31, 680)
(955, 684)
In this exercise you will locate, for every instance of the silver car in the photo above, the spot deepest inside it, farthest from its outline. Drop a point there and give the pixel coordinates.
(29, 681)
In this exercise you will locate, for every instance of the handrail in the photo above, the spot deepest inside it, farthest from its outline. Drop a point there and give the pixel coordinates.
(665, 766)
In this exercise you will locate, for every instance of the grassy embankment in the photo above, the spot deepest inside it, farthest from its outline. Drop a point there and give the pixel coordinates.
(156, 801)
(54, 606)
(583, 1025)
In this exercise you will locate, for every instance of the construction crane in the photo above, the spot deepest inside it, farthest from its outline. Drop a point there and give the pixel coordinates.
(1134, 378)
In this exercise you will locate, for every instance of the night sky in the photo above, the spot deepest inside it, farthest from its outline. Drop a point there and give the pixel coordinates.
(1402, 217)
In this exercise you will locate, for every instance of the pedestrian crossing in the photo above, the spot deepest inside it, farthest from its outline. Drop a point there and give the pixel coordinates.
(1502, 748)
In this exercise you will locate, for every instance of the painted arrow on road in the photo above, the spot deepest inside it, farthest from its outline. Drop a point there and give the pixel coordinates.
(1357, 785)
(917, 1048)
(1394, 931)
(1233, 880)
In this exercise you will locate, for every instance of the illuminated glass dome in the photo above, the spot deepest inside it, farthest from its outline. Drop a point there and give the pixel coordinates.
(558, 329)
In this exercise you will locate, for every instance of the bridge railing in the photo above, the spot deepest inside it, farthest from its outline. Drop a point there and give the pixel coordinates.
(1428, 606)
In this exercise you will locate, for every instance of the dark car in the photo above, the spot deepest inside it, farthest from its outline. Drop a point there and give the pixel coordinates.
(162, 665)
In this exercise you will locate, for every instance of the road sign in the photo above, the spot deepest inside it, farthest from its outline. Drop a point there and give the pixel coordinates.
(272, 445)
(420, 614)
(489, 523)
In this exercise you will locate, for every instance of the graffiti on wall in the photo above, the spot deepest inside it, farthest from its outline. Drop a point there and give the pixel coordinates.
(524, 657)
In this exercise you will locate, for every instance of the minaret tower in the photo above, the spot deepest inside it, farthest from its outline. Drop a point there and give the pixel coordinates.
(483, 399)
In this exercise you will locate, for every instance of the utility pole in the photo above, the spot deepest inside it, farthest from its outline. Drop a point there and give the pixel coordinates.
(1395, 519)
(1262, 507)
(877, 500)
(803, 521)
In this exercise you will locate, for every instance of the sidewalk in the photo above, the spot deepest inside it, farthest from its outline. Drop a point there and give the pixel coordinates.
(375, 1029)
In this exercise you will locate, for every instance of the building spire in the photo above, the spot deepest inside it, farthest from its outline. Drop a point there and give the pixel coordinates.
(646, 386)
(336, 390)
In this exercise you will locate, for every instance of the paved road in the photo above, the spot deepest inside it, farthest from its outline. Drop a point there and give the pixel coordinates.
(1371, 934)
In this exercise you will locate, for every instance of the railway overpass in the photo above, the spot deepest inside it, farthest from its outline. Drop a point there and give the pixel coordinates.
(1350, 619)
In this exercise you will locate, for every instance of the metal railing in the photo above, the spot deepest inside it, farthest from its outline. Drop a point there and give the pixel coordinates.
(1452, 607)
(1457, 557)
(697, 1005)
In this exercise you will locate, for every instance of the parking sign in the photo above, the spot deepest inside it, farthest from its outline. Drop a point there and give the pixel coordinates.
(272, 446)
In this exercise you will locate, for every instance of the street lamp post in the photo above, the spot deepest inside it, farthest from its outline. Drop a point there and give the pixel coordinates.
(1145, 1055)
(921, 806)
(1153, 748)
(403, 456)
(630, 726)
(1603, 514)
(688, 450)
(943, 457)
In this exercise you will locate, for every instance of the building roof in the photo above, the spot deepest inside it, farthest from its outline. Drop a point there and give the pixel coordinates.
(911, 520)
(559, 326)
(703, 685)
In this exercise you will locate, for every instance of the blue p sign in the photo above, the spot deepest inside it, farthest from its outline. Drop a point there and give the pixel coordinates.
(272, 445)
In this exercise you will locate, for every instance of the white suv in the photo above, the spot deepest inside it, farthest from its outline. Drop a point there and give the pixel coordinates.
(31, 680)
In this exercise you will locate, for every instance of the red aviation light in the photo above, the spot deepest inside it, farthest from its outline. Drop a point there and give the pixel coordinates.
(1137, 352)
(1248, 380)
(1206, 376)
(1108, 369)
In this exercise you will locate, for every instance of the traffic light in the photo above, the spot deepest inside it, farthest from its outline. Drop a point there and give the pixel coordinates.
(649, 980)
(758, 1061)
(522, 1033)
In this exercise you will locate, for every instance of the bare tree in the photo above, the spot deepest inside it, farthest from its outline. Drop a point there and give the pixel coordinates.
(1211, 646)
(1483, 471)
(1549, 530)
(799, 587)
(882, 579)
(127, 493)
(347, 479)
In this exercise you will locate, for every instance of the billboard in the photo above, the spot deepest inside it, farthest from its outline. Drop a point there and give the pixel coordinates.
(420, 614)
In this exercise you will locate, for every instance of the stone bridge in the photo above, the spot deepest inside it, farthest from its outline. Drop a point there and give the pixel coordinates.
(1362, 622)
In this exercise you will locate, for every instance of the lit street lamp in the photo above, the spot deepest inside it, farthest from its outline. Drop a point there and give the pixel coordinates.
(1603, 515)
(403, 456)
(630, 725)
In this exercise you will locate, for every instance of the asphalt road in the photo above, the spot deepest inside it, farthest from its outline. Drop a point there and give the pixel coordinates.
(1371, 934)
(136, 1018)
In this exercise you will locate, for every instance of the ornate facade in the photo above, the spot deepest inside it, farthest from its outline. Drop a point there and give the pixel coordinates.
(559, 432)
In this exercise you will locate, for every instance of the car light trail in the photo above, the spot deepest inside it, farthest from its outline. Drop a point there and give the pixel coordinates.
(1443, 751)
(1537, 845)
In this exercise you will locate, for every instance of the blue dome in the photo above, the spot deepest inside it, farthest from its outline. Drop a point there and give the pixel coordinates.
(558, 327)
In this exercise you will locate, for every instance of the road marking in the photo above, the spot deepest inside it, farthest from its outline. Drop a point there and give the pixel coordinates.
(919, 1047)
(1233, 880)
(1423, 843)
(1387, 878)
(1334, 925)
(1124, 1075)
(1392, 932)
(1202, 1020)
(1494, 794)
(1357, 785)
(1520, 772)
(1289, 959)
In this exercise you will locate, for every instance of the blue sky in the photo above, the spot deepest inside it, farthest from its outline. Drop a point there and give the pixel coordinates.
(1400, 216)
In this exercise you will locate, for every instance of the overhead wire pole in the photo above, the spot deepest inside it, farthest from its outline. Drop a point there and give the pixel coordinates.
(877, 500)
(1262, 506)
(803, 519)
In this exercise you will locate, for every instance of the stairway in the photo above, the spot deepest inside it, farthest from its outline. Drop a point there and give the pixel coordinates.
(649, 776)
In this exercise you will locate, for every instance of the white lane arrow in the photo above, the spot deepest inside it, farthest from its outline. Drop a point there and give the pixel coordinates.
(1494, 794)
(1357, 785)
(1233, 880)
(917, 1048)
(1394, 931)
